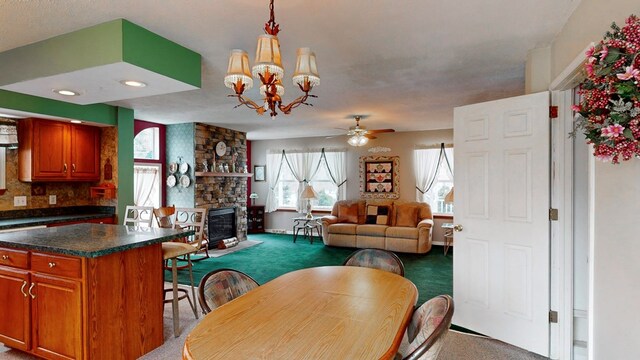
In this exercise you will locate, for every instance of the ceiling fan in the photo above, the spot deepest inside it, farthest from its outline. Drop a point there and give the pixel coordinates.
(359, 135)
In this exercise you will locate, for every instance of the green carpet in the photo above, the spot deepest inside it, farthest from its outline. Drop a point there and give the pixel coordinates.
(432, 273)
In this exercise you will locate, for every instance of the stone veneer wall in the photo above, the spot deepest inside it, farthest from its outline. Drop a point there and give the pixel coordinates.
(218, 192)
(67, 193)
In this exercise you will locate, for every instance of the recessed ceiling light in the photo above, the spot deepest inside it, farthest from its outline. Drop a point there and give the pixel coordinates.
(76, 121)
(133, 83)
(65, 92)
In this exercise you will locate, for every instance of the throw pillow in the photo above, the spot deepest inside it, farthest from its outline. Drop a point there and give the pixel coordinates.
(377, 214)
(348, 213)
(407, 216)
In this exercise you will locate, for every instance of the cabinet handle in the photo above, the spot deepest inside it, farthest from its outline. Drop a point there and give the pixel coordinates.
(5, 257)
(24, 285)
(31, 288)
(64, 168)
(73, 167)
(52, 264)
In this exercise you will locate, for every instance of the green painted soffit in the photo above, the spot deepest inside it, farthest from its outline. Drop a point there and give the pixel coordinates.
(147, 50)
(98, 113)
(107, 43)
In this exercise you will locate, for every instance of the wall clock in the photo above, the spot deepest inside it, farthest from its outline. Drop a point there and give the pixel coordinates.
(221, 148)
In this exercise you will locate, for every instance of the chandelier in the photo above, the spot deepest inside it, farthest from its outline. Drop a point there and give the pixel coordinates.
(268, 68)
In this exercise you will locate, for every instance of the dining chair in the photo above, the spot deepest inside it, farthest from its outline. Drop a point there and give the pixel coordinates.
(138, 216)
(220, 286)
(172, 252)
(426, 332)
(376, 259)
(193, 219)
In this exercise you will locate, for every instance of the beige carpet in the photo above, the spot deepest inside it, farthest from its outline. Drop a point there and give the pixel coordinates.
(241, 245)
(457, 345)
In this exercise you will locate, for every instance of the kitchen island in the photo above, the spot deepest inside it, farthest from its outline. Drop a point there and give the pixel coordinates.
(83, 291)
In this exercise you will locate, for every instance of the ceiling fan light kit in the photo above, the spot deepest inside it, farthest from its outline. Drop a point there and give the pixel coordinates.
(268, 69)
(359, 135)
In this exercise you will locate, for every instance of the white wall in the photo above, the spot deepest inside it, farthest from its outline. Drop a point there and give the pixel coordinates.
(615, 249)
(402, 144)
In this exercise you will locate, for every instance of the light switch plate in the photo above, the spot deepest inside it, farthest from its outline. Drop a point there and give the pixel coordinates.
(19, 201)
(52, 199)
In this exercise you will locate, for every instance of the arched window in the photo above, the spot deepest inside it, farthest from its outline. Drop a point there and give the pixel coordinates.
(146, 145)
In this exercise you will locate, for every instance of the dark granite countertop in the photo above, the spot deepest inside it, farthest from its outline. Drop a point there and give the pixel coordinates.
(88, 240)
(14, 219)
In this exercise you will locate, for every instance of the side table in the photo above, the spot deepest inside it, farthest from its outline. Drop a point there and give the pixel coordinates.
(307, 226)
(448, 236)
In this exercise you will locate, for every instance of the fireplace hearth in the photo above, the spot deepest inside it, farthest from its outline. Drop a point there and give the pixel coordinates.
(221, 225)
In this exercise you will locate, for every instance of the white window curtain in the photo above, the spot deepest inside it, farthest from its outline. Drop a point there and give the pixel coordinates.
(144, 178)
(304, 165)
(426, 162)
(337, 165)
(274, 164)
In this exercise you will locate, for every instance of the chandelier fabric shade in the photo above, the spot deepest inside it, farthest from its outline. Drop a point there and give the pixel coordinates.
(306, 68)
(238, 70)
(268, 70)
(268, 57)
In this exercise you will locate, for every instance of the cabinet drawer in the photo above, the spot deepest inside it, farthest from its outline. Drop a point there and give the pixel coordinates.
(56, 265)
(15, 258)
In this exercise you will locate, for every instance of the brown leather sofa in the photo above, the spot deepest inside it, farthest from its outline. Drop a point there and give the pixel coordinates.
(408, 226)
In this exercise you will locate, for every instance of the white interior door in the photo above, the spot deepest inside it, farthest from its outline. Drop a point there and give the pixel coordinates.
(501, 263)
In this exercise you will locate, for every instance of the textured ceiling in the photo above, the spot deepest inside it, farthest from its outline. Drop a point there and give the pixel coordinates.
(406, 63)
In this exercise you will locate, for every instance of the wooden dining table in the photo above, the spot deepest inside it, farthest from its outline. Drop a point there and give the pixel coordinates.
(330, 312)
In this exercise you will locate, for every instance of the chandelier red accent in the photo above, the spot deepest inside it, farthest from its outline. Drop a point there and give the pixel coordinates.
(268, 68)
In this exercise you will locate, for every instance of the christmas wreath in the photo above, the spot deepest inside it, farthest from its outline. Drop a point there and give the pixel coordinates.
(609, 110)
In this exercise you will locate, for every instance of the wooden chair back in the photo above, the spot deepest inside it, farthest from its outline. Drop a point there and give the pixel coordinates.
(165, 216)
(192, 219)
(138, 216)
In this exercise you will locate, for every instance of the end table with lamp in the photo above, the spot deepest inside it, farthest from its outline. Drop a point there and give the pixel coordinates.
(307, 223)
(448, 227)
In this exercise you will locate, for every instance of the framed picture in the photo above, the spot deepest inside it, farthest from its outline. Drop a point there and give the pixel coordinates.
(259, 173)
(379, 177)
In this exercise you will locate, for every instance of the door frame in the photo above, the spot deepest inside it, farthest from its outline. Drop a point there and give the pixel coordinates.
(562, 247)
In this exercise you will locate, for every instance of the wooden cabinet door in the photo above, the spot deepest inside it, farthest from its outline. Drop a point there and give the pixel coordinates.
(56, 312)
(85, 152)
(15, 317)
(50, 150)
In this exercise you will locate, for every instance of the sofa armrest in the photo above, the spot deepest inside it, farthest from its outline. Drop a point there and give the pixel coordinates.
(426, 223)
(425, 235)
(326, 221)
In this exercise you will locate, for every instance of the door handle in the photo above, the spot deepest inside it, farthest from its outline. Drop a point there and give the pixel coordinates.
(24, 285)
(457, 227)
(64, 167)
(5, 257)
(52, 264)
(31, 288)
(73, 168)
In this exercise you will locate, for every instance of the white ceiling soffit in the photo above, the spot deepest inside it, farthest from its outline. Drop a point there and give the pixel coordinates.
(100, 84)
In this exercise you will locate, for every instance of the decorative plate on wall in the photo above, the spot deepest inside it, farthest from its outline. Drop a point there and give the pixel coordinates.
(171, 180)
(185, 181)
(184, 168)
(221, 148)
(173, 167)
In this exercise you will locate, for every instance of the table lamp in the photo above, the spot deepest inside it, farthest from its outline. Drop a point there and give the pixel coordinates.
(307, 194)
(253, 198)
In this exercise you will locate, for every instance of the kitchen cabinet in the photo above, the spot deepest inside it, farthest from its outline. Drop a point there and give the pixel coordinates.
(57, 151)
(65, 307)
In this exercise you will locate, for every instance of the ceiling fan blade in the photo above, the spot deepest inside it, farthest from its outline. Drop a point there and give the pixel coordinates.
(369, 136)
(381, 131)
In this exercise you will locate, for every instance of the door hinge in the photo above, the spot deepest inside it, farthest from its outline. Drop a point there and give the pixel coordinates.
(553, 317)
(553, 112)
(553, 214)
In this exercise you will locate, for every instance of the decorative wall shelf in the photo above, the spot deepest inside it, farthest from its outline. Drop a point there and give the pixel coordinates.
(103, 192)
(219, 174)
